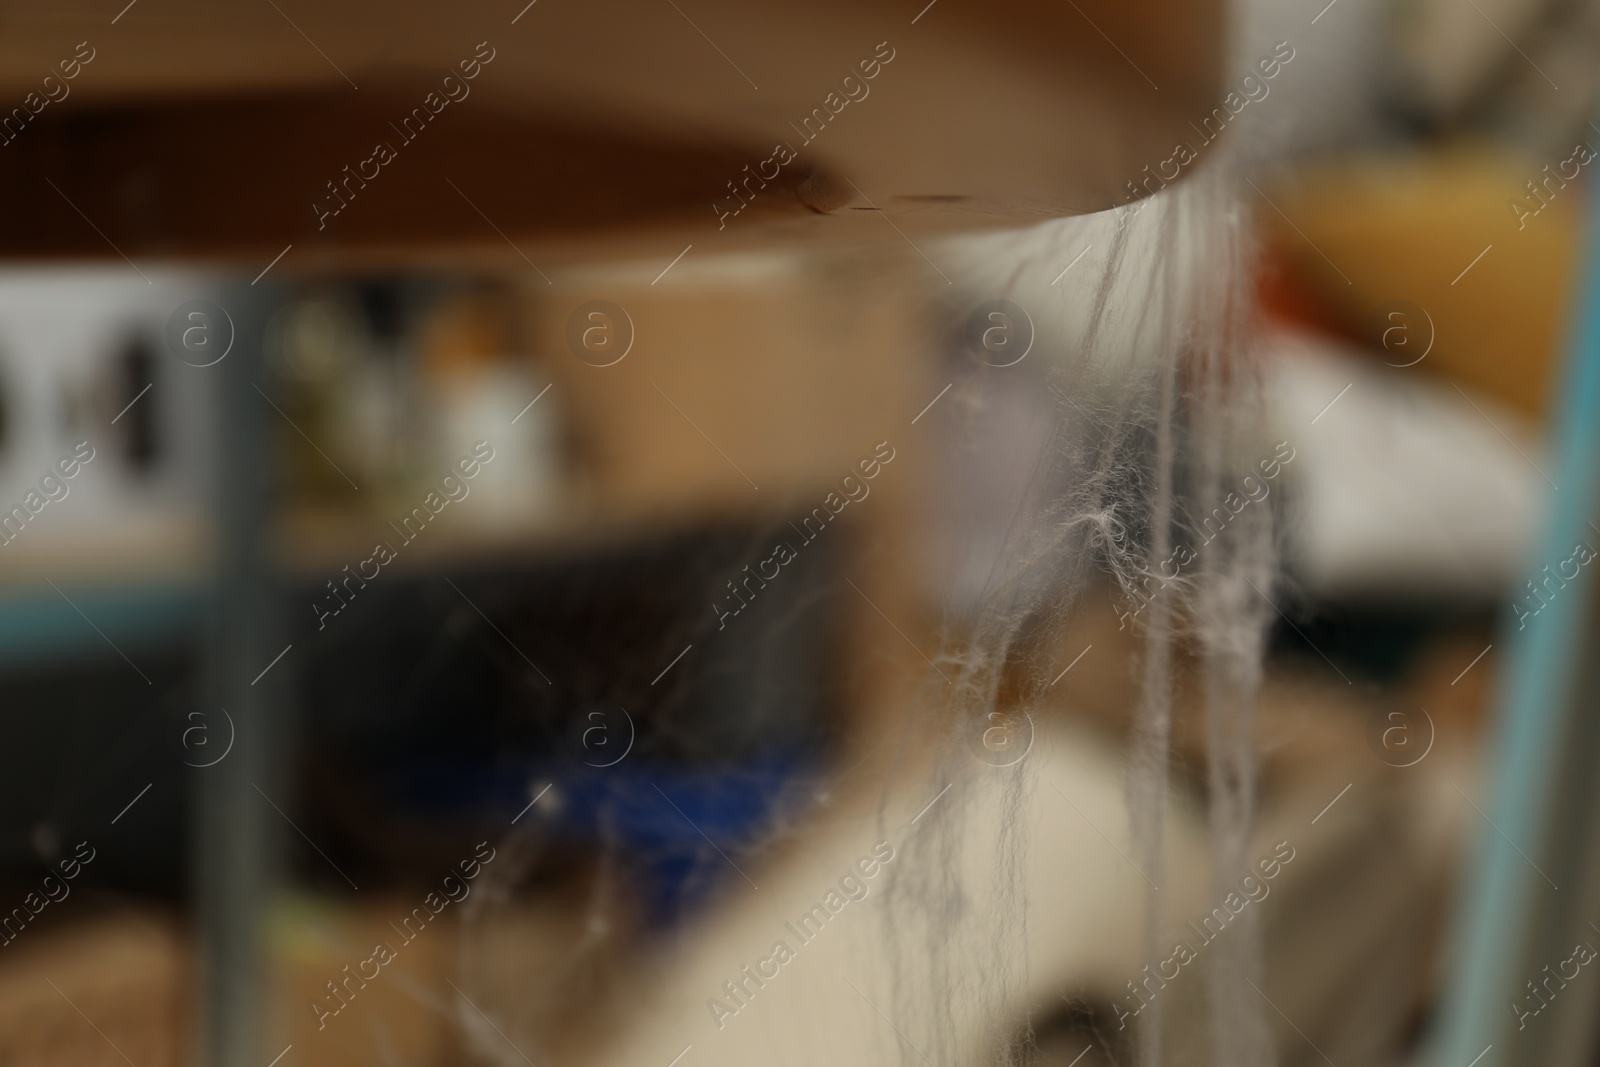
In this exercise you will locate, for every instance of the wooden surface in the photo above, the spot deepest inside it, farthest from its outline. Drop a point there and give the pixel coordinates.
(80, 994)
(202, 131)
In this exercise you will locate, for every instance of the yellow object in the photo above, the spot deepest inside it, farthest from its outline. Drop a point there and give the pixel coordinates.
(1459, 232)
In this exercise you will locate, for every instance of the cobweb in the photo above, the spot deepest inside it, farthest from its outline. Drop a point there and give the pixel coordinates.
(1157, 417)
(1145, 415)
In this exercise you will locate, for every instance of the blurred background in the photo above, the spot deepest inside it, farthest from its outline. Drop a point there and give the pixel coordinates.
(480, 580)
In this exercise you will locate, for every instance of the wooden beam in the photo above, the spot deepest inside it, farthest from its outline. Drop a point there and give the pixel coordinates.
(195, 131)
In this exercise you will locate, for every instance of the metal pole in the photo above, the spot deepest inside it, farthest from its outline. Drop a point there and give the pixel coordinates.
(1496, 917)
(235, 836)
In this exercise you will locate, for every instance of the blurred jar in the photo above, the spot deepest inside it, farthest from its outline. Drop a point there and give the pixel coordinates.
(316, 345)
(475, 387)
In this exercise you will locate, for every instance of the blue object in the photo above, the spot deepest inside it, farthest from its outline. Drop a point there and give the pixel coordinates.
(677, 829)
(1495, 918)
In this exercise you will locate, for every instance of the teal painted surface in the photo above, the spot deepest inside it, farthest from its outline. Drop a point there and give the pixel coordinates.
(40, 630)
(1494, 917)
